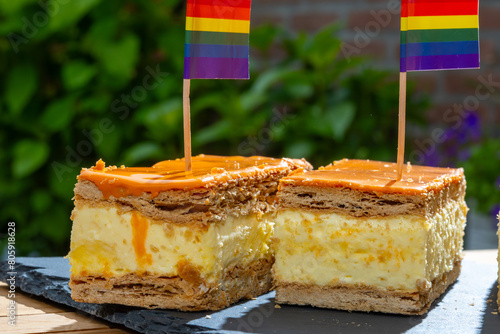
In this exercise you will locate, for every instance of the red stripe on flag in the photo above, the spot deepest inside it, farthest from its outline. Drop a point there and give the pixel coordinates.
(434, 1)
(404, 8)
(218, 12)
(228, 3)
(438, 8)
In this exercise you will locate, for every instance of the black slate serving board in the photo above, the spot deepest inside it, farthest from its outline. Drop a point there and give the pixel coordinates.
(467, 307)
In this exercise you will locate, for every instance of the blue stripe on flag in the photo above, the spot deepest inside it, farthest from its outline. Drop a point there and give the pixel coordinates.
(216, 51)
(439, 49)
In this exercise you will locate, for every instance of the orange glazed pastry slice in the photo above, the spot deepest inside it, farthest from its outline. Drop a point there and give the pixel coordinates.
(161, 237)
(349, 237)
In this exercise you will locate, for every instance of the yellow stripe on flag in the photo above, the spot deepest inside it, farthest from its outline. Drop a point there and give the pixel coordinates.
(217, 25)
(439, 22)
(404, 24)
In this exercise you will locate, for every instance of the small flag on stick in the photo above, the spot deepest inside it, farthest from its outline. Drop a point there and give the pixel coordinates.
(435, 35)
(217, 34)
(217, 47)
(439, 35)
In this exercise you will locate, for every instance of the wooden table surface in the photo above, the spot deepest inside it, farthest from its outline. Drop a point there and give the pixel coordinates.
(38, 315)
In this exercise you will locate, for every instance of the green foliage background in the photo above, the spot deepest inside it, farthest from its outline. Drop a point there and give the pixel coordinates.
(73, 91)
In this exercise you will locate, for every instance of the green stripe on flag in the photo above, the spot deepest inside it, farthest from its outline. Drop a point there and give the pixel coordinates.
(218, 38)
(439, 35)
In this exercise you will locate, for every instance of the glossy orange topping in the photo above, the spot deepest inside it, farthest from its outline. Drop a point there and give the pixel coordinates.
(207, 171)
(367, 175)
(140, 228)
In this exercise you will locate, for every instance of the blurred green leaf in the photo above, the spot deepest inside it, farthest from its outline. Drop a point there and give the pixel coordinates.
(340, 117)
(109, 145)
(257, 93)
(100, 34)
(206, 102)
(9, 7)
(162, 118)
(68, 13)
(11, 27)
(172, 45)
(40, 200)
(323, 47)
(62, 184)
(58, 114)
(56, 226)
(141, 152)
(299, 84)
(212, 132)
(316, 120)
(29, 155)
(21, 84)
(299, 149)
(169, 87)
(77, 74)
(96, 103)
(119, 58)
(263, 37)
(482, 167)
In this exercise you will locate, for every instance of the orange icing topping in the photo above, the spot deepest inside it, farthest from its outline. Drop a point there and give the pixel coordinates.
(367, 175)
(140, 227)
(207, 171)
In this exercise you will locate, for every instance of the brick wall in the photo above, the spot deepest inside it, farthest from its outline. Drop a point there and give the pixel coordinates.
(378, 21)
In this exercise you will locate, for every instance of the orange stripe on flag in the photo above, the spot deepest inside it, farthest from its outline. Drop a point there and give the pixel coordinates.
(229, 3)
(218, 12)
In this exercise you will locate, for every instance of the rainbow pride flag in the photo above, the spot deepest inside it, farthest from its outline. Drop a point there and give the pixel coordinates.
(217, 33)
(439, 34)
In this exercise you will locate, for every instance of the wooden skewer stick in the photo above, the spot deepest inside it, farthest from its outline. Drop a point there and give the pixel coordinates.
(402, 124)
(186, 112)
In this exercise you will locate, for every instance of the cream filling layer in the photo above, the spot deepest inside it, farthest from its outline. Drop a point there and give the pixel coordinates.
(107, 241)
(403, 252)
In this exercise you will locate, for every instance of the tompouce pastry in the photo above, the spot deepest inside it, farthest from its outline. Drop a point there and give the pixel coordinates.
(349, 238)
(161, 237)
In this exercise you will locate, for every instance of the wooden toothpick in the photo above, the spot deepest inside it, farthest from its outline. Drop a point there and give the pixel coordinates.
(186, 112)
(402, 124)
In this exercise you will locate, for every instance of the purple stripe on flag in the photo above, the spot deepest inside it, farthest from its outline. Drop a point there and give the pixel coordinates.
(216, 68)
(442, 62)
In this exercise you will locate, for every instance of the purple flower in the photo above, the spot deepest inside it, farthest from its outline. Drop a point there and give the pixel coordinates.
(472, 128)
(433, 159)
(449, 134)
(463, 155)
(457, 143)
